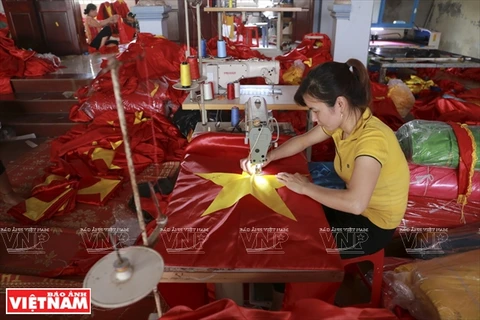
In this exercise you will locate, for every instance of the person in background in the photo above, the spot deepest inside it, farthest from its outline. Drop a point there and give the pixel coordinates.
(98, 32)
(7, 195)
(132, 21)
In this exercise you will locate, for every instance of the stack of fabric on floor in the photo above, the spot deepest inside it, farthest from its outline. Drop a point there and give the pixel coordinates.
(445, 183)
(17, 62)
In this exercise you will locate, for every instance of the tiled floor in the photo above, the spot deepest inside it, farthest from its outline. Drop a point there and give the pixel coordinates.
(84, 64)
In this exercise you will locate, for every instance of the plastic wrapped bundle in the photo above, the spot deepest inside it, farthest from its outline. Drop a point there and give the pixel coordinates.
(429, 243)
(401, 95)
(433, 143)
(438, 289)
(430, 212)
(439, 183)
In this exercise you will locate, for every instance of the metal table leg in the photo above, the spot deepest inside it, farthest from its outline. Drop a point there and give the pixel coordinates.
(382, 75)
(279, 30)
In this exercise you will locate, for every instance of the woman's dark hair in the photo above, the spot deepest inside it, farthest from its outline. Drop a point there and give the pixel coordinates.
(90, 7)
(331, 80)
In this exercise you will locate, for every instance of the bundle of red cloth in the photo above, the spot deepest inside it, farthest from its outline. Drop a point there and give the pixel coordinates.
(89, 163)
(16, 62)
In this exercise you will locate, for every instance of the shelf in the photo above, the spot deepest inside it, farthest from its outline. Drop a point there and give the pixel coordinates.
(255, 9)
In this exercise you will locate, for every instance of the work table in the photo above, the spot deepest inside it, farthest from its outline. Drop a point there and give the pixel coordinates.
(275, 101)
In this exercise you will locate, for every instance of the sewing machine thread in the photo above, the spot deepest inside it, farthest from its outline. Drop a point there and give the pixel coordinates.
(230, 91)
(236, 85)
(208, 91)
(204, 48)
(221, 49)
(185, 79)
(194, 71)
(235, 116)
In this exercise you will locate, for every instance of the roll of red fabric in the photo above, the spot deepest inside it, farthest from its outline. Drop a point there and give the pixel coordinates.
(439, 183)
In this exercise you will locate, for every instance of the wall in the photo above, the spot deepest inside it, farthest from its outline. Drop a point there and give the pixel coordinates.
(1, 7)
(326, 20)
(459, 23)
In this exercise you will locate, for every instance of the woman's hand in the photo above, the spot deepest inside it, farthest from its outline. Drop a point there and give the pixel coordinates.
(247, 166)
(295, 182)
(114, 18)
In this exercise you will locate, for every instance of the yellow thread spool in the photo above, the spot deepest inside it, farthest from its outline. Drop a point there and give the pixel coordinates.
(185, 78)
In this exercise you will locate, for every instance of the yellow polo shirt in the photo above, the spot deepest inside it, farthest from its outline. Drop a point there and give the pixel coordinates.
(375, 139)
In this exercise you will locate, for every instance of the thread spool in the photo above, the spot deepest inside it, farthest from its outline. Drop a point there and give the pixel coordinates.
(194, 71)
(230, 91)
(204, 48)
(235, 117)
(185, 79)
(208, 91)
(236, 86)
(221, 49)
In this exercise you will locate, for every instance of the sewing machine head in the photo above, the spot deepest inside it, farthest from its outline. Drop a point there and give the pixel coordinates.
(221, 72)
(259, 126)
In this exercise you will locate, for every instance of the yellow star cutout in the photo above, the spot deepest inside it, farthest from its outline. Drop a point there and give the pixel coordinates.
(236, 186)
(102, 187)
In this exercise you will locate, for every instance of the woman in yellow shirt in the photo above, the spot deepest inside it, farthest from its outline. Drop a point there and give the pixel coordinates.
(368, 159)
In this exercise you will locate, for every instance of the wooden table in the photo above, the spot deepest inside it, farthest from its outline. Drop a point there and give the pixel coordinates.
(283, 101)
(280, 11)
(202, 275)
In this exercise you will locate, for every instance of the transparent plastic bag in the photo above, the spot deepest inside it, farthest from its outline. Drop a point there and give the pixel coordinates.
(442, 288)
(439, 183)
(433, 143)
(430, 212)
(294, 74)
(429, 243)
(401, 96)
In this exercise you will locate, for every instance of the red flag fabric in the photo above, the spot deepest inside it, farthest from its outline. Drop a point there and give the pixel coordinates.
(89, 162)
(125, 32)
(432, 212)
(467, 149)
(308, 309)
(439, 183)
(255, 236)
(150, 67)
(15, 62)
(105, 11)
(121, 8)
(447, 108)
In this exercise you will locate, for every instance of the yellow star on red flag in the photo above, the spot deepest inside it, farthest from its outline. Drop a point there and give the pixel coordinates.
(236, 186)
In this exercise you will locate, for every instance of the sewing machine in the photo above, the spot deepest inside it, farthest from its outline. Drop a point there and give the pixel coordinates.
(222, 72)
(259, 126)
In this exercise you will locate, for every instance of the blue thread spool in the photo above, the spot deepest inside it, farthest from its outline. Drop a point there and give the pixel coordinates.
(204, 48)
(235, 116)
(221, 49)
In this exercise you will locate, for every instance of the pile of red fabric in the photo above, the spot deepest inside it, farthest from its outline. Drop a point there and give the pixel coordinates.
(448, 101)
(89, 163)
(15, 62)
(470, 73)
(107, 9)
(150, 66)
(302, 310)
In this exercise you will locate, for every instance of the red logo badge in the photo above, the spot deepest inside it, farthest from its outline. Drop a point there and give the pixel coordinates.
(48, 301)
